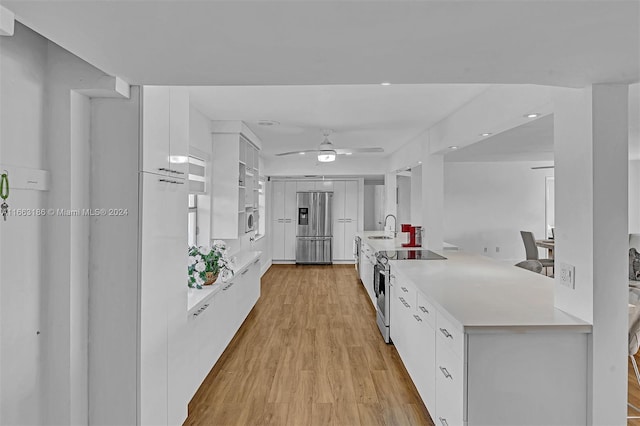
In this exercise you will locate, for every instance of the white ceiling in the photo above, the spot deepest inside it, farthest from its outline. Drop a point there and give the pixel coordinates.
(350, 47)
(360, 116)
(564, 43)
(532, 141)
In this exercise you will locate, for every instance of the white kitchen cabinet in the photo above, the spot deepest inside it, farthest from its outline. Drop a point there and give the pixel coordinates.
(284, 220)
(367, 262)
(234, 178)
(468, 378)
(213, 323)
(137, 313)
(423, 349)
(345, 218)
(165, 130)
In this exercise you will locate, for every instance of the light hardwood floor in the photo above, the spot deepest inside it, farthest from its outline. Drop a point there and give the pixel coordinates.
(309, 353)
(634, 392)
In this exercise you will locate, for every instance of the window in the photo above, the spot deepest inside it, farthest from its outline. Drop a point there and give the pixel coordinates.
(262, 217)
(197, 185)
(197, 176)
(193, 220)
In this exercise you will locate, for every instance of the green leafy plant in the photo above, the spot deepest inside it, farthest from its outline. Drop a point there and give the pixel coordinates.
(213, 259)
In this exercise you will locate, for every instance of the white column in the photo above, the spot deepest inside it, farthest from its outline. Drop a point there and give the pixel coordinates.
(433, 200)
(591, 164)
(390, 201)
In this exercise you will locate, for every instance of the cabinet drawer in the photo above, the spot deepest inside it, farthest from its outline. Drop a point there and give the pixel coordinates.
(449, 334)
(407, 292)
(426, 310)
(450, 387)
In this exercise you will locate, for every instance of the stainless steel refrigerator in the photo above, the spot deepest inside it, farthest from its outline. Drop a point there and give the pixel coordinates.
(314, 234)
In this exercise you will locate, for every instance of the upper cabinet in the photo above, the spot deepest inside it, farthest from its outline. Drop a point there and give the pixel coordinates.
(165, 130)
(235, 174)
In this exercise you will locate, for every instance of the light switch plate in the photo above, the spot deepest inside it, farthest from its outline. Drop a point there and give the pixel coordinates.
(567, 275)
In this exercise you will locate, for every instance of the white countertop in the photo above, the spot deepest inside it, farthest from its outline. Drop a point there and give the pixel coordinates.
(196, 297)
(483, 295)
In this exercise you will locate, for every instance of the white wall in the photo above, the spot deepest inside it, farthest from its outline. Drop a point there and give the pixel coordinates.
(22, 104)
(373, 207)
(488, 204)
(45, 125)
(591, 142)
(634, 197)
(404, 200)
(416, 196)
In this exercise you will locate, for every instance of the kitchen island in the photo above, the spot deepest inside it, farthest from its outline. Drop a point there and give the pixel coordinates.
(484, 343)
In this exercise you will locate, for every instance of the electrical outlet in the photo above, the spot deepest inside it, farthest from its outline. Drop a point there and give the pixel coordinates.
(567, 273)
(486, 249)
(497, 249)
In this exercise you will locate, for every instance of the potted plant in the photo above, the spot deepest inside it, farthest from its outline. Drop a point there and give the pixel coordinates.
(206, 264)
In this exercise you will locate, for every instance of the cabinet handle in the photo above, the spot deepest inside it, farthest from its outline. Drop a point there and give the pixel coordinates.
(446, 373)
(404, 302)
(227, 287)
(417, 317)
(257, 260)
(423, 309)
(199, 311)
(244, 272)
(164, 169)
(443, 421)
(171, 181)
(446, 333)
(404, 289)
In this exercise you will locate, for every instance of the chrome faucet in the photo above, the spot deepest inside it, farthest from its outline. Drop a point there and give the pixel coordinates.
(395, 224)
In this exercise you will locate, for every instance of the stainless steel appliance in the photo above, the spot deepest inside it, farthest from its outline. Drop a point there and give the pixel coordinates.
(314, 233)
(381, 275)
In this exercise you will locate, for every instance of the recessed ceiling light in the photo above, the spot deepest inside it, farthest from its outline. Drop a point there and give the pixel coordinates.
(301, 153)
(532, 115)
(348, 153)
(419, 162)
(486, 134)
(385, 83)
(267, 123)
(453, 147)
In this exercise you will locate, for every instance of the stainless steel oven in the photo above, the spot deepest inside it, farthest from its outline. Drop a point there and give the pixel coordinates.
(382, 294)
(381, 274)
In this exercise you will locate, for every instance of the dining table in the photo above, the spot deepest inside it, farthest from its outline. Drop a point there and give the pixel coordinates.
(548, 244)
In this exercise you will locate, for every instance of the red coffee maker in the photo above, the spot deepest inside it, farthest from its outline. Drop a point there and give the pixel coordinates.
(415, 235)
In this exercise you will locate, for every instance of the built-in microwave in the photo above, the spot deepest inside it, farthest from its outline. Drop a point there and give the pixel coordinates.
(250, 220)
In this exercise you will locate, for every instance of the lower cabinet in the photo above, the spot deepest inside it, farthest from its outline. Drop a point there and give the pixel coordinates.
(413, 335)
(216, 321)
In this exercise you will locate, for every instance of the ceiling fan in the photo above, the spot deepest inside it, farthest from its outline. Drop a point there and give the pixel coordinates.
(327, 152)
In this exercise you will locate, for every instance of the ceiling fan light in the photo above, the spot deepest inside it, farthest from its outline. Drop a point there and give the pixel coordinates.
(326, 156)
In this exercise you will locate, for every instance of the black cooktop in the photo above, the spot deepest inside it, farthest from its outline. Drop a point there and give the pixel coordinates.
(419, 254)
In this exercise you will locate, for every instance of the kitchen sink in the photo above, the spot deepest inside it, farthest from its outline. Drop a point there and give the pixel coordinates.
(380, 237)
